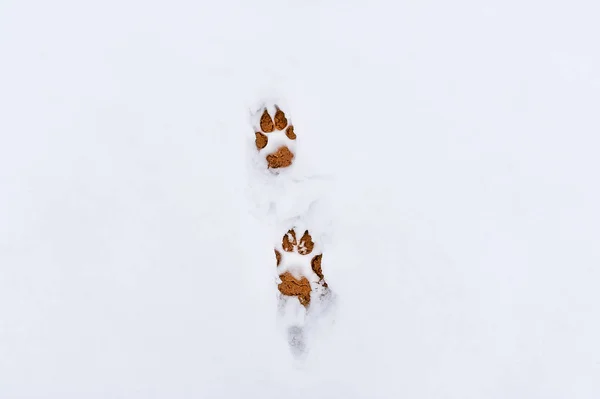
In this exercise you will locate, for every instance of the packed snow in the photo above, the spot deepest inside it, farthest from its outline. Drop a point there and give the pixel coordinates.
(456, 142)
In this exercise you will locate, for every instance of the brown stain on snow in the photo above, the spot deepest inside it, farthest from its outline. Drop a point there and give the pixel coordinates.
(261, 140)
(266, 123)
(289, 132)
(280, 120)
(306, 244)
(282, 158)
(289, 241)
(291, 286)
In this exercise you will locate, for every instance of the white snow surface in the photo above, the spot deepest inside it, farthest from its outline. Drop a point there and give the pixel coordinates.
(458, 143)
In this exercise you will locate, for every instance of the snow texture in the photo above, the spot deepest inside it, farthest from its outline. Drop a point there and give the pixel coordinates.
(456, 142)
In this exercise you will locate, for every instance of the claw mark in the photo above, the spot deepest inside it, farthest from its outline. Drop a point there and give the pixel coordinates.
(278, 257)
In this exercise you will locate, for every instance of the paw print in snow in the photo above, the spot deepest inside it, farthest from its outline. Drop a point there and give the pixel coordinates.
(299, 276)
(275, 136)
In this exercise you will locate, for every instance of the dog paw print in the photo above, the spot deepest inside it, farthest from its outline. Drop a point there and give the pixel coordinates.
(275, 137)
(299, 272)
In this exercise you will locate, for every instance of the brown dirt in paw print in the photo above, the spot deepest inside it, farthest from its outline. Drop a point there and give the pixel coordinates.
(280, 120)
(306, 244)
(289, 241)
(280, 159)
(315, 263)
(283, 156)
(266, 123)
(289, 132)
(291, 286)
(261, 140)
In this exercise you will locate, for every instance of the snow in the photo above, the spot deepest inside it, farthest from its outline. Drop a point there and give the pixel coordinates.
(457, 143)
